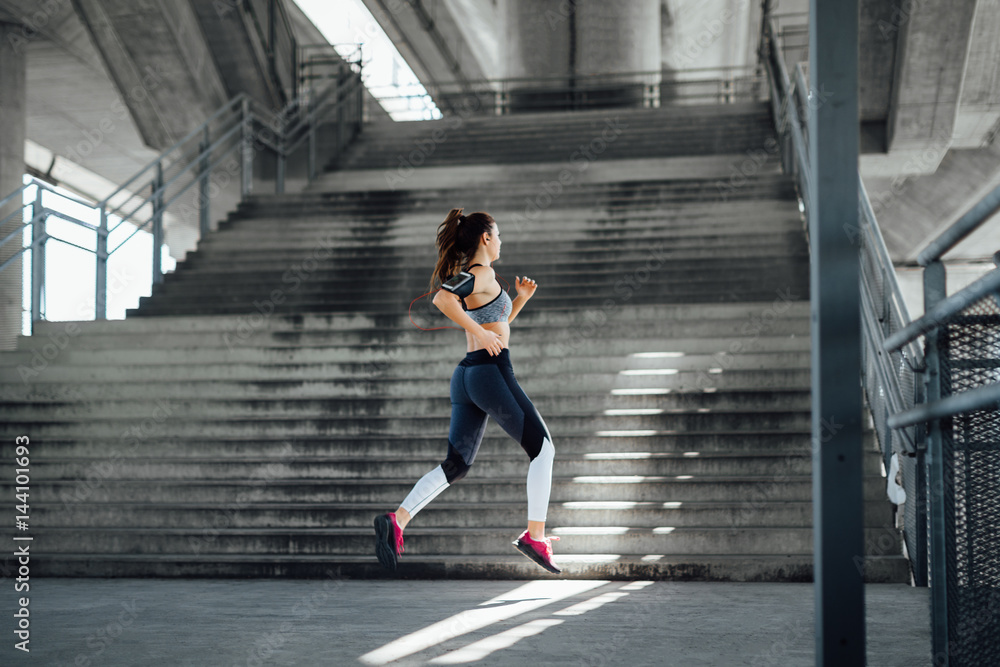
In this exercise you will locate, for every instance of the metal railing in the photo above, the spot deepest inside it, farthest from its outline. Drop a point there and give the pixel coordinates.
(717, 85)
(937, 409)
(961, 335)
(891, 380)
(212, 165)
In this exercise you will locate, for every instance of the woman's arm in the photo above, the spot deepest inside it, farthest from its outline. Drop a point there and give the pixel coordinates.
(449, 304)
(525, 290)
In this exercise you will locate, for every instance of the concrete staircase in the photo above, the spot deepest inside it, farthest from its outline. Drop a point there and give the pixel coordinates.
(272, 396)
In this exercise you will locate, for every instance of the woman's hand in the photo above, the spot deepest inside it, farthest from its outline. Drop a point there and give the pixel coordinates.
(525, 286)
(491, 340)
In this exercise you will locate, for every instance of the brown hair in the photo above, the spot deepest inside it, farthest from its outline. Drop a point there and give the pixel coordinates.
(457, 241)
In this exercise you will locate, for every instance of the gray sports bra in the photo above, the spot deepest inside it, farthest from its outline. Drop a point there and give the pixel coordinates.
(496, 310)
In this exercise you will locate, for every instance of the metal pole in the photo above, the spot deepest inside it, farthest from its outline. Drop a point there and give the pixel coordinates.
(246, 151)
(838, 518)
(101, 287)
(934, 291)
(338, 99)
(312, 150)
(279, 180)
(919, 559)
(972, 219)
(279, 183)
(204, 206)
(37, 258)
(158, 224)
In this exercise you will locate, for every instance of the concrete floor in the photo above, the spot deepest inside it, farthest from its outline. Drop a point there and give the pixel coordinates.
(216, 622)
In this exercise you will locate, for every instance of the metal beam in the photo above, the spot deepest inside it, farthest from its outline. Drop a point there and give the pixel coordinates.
(984, 209)
(935, 288)
(943, 309)
(838, 551)
(979, 398)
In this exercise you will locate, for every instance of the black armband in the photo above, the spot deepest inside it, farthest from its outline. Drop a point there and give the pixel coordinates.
(460, 284)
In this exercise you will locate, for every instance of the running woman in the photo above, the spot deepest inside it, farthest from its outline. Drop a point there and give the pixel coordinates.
(482, 386)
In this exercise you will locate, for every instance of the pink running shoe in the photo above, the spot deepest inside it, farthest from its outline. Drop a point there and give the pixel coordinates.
(388, 540)
(538, 551)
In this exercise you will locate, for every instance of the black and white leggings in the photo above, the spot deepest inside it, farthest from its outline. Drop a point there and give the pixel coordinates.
(484, 386)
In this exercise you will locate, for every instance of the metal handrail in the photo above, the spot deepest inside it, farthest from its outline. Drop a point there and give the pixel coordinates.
(159, 158)
(563, 91)
(968, 223)
(197, 155)
(881, 309)
(966, 401)
(875, 238)
(945, 309)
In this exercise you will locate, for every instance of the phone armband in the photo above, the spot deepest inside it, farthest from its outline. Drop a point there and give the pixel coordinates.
(461, 284)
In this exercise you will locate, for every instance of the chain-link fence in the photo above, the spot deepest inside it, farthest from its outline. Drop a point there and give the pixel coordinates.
(969, 345)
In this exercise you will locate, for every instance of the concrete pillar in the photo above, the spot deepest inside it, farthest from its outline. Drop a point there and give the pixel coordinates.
(567, 42)
(932, 52)
(12, 135)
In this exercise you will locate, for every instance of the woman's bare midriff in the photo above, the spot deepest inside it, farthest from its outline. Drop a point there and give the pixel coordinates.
(501, 328)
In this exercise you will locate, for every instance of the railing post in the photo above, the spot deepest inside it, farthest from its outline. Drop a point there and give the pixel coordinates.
(204, 209)
(37, 258)
(359, 91)
(934, 291)
(101, 286)
(279, 180)
(312, 150)
(158, 223)
(340, 117)
(246, 151)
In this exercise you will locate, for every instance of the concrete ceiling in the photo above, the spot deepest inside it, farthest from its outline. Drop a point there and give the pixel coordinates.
(90, 125)
(74, 109)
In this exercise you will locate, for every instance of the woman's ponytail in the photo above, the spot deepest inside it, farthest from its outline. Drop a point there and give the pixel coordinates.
(457, 242)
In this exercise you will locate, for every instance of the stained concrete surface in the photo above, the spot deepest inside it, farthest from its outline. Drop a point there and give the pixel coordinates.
(350, 622)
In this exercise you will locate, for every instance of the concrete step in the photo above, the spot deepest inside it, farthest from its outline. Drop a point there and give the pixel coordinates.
(340, 278)
(666, 116)
(762, 248)
(426, 208)
(555, 409)
(472, 489)
(509, 464)
(440, 514)
(413, 271)
(321, 302)
(759, 232)
(637, 316)
(566, 402)
(726, 293)
(542, 132)
(264, 214)
(686, 540)
(431, 347)
(295, 425)
(432, 446)
(781, 317)
(381, 379)
(650, 567)
(350, 360)
(523, 206)
(116, 386)
(596, 334)
(482, 150)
